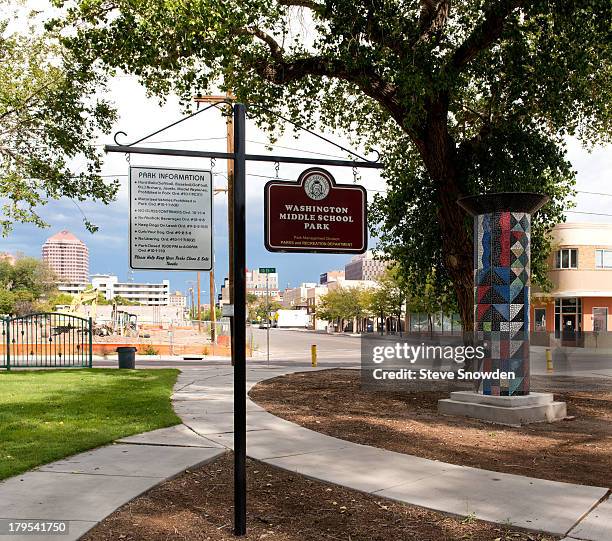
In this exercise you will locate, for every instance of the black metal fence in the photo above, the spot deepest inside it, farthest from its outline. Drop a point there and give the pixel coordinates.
(46, 340)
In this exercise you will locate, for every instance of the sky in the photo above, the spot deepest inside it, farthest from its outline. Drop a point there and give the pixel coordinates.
(139, 115)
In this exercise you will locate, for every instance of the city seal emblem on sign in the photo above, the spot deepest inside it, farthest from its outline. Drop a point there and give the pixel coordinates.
(317, 185)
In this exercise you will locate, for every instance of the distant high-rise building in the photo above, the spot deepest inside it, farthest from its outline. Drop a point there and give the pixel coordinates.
(149, 294)
(331, 276)
(256, 283)
(68, 257)
(364, 267)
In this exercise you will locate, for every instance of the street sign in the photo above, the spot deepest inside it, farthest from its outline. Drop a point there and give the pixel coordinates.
(171, 222)
(315, 215)
(267, 270)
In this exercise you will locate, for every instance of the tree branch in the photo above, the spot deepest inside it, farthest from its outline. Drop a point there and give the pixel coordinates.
(302, 4)
(368, 81)
(281, 71)
(275, 49)
(485, 33)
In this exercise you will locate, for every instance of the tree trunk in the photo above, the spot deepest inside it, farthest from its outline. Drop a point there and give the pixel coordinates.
(439, 155)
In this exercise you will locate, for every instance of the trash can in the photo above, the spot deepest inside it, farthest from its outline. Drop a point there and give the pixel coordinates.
(127, 357)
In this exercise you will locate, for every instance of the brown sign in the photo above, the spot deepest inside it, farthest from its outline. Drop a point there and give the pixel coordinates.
(315, 214)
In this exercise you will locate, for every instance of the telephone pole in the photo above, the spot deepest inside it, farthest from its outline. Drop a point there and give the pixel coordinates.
(230, 212)
(199, 306)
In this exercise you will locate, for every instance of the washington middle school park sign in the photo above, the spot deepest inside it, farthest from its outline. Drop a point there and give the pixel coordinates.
(315, 214)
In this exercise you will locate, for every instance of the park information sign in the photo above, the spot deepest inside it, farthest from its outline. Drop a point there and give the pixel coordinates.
(315, 214)
(171, 222)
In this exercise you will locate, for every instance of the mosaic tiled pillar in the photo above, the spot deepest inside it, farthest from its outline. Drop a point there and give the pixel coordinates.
(502, 234)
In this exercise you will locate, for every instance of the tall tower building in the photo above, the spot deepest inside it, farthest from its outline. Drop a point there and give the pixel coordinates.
(68, 257)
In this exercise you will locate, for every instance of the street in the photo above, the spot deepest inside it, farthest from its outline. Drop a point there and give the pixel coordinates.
(291, 347)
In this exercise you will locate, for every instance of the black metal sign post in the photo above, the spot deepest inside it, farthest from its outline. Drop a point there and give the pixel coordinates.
(240, 158)
(239, 341)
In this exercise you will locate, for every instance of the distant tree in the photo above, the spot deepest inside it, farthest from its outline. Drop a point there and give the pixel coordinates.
(425, 297)
(251, 305)
(50, 114)
(331, 306)
(206, 314)
(379, 306)
(343, 304)
(28, 277)
(389, 297)
(122, 301)
(263, 309)
(7, 302)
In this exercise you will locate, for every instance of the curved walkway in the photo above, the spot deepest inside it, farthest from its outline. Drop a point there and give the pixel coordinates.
(204, 401)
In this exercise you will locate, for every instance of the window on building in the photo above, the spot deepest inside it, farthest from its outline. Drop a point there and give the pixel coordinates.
(567, 259)
(603, 259)
(539, 316)
(600, 319)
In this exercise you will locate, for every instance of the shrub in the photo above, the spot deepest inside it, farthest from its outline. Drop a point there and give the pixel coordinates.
(150, 350)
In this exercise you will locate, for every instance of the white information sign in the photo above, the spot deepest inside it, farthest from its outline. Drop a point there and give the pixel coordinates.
(171, 219)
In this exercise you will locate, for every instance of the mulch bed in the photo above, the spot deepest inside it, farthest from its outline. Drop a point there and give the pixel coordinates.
(283, 507)
(578, 450)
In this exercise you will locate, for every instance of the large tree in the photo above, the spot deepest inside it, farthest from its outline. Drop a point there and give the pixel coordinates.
(50, 117)
(464, 97)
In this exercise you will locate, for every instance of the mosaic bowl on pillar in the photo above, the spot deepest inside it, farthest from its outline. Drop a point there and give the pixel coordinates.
(502, 238)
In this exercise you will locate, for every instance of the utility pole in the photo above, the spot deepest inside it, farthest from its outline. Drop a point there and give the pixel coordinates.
(213, 308)
(230, 212)
(199, 305)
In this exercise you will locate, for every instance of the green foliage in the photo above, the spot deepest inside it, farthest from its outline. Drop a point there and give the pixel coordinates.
(47, 415)
(24, 285)
(205, 314)
(50, 114)
(263, 308)
(344, 304)
(7, 302)
(101, 299)
(60, 299)
(120, 301)
(252, 301)
(149, 349)
(462, 98)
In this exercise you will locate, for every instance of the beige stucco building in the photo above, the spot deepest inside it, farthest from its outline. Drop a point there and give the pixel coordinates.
(580, 302)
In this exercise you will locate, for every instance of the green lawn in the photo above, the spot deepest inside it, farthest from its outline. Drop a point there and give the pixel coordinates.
(49, 414)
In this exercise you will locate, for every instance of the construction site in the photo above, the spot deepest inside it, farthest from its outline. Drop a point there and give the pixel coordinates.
(153, 330)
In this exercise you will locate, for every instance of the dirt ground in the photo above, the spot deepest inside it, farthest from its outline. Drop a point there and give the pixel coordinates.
(578, 450)
(282, 507)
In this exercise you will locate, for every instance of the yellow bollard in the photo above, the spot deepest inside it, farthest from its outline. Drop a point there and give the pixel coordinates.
(549, 362)
(313, 354)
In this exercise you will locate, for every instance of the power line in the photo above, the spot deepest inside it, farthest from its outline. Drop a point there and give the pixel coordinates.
(591, 213)
(296, 149)
(595, 193)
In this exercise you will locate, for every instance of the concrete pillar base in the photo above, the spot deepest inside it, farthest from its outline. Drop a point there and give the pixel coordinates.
(504, 410)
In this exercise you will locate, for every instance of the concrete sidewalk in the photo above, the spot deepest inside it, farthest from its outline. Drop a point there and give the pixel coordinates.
(85, 488)
(204, 401)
